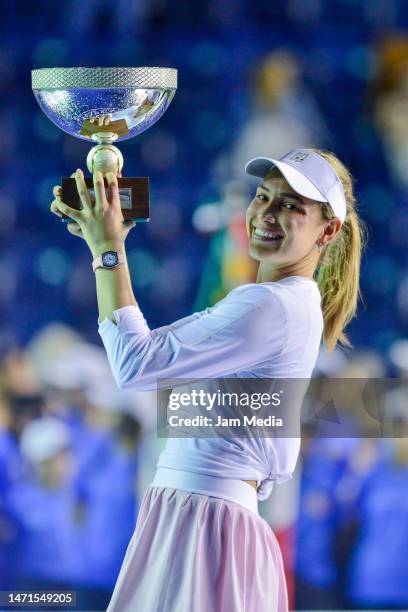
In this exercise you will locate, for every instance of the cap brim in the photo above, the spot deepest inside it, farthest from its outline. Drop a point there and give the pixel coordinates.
(260, 166)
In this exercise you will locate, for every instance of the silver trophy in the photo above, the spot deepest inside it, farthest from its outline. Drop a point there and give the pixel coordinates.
(103, 106)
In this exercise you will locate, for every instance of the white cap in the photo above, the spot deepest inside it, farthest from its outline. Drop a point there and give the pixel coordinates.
(309, 174)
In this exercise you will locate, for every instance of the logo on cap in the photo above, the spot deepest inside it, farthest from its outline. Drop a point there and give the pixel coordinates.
(299, 156)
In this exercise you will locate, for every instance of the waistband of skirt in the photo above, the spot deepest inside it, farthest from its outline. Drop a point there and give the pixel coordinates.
(230, 489)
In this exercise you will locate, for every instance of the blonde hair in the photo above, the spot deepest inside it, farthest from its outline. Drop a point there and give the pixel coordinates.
(338, 271)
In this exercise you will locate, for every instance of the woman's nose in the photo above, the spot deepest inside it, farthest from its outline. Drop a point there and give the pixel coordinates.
(269, 213)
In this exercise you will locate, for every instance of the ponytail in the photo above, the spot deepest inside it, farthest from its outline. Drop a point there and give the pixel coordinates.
(338, 270)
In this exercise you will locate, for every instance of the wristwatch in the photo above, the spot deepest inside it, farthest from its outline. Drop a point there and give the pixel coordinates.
(108, 260)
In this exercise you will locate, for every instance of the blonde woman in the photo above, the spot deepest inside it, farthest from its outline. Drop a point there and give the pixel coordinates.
(199, 542)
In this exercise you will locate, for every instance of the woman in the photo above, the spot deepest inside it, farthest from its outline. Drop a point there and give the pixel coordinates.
(199, 542)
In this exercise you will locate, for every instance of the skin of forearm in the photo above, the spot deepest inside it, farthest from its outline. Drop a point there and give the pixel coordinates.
(113, 287)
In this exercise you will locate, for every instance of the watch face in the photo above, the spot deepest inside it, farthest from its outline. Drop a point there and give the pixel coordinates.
(110, 259)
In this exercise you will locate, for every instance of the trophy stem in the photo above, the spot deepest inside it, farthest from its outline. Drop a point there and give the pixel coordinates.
(104, 137)
(105, 157)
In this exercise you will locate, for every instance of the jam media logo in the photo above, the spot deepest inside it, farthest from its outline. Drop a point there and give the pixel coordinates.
(299, 156)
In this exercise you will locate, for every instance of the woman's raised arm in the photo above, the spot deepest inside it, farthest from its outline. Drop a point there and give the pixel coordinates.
(101, 225)
(241, 331)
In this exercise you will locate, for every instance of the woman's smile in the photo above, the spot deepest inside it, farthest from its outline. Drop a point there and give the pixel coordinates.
(267, 235)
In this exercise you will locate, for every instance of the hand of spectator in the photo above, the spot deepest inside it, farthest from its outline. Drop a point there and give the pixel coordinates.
(100, 222)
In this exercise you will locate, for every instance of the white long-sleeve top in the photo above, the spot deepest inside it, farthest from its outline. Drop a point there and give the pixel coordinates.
(259, 330)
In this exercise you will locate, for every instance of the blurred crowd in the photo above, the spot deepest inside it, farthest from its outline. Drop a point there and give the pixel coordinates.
(69, 467)
(255, 78)
(351, 530)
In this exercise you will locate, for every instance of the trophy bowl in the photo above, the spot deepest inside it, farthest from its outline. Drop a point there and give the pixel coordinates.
(103, 106)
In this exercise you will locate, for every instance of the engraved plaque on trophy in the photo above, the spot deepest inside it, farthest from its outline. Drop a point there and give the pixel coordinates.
(103, 106)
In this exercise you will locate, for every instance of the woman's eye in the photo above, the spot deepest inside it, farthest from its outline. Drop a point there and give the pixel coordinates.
(291, 206)
(285, 203)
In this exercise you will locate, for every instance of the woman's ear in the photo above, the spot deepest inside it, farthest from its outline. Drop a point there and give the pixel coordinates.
(332, 228)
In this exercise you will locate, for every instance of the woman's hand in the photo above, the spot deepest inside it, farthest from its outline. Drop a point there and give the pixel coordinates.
(100, 223)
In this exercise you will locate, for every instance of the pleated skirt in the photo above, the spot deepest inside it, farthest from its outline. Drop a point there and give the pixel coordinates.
(194, 552)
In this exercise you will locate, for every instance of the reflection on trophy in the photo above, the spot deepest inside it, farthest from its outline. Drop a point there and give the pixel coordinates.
(106, 105)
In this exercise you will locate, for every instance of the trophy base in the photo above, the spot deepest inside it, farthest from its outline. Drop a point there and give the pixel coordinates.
(134, 196)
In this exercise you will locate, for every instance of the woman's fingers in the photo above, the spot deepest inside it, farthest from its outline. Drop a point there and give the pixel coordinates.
(59, 206)
(99, 190)
(75, 229)
(101, 120)
(113, 190)
(57, 191)
(130, 224)
(83, 190)
(54, 209)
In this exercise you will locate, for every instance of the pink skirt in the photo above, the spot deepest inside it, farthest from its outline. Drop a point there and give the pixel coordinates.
(193, 552)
